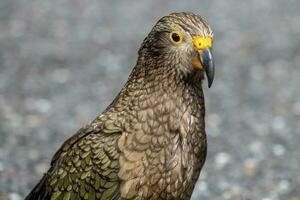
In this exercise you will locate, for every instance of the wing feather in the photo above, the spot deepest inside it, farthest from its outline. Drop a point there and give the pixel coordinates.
(85, 167)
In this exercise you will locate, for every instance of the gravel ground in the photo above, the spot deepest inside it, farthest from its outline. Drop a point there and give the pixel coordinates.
(63, 61)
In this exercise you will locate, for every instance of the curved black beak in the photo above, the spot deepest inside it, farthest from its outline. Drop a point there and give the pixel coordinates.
(207, 62)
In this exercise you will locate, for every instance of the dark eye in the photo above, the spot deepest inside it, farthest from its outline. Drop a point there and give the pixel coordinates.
(176, 37)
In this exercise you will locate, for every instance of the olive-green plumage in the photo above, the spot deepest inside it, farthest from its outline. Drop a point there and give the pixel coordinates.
(150, 143)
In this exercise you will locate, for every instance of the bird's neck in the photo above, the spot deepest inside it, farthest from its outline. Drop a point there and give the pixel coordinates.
(160, 87)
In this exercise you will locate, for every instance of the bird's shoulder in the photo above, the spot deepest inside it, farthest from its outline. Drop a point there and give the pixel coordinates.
(104, 127)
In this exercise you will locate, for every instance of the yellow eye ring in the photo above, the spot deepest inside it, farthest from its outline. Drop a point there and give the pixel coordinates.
(176, 37)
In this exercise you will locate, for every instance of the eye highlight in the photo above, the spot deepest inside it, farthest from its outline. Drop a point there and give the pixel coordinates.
(176, 37)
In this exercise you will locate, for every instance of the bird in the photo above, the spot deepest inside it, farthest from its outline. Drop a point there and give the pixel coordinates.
(150, 142)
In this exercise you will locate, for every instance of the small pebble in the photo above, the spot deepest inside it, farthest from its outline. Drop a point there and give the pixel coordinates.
(278, 123)
(33, 154)
(278, 150)
(222, 159)
(61, 75)
(256, 147)
(202, 186)
(43, 105)
(41, 168)
(250, 167)
(14, 196)
(284, 185)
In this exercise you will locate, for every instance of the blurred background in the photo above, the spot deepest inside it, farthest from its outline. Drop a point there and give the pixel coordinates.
(63, 61)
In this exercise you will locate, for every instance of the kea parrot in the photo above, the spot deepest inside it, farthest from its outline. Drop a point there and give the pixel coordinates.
(150, 142)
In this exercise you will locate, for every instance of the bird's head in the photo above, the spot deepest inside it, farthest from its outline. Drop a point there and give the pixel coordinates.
(181, 42)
